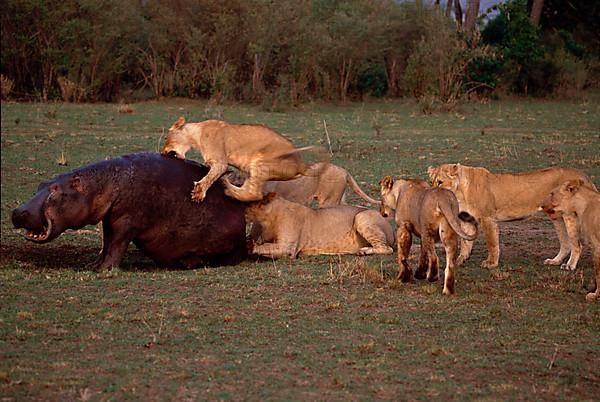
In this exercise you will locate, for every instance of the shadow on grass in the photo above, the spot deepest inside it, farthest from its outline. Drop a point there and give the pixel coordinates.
(71, 257)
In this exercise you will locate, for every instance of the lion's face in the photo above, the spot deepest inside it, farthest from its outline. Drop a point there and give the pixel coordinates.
(260, 210)
(388, 199)
(445, 176)
(560, 198)
(178, 142)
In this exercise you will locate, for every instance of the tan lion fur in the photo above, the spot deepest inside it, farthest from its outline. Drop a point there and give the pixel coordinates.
(323, 182)
(579, 206)
(258, 151)
(289, 229)
(431, 214)
(493, 198)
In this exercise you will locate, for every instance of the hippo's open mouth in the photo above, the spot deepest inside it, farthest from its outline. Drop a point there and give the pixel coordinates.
(42, 236)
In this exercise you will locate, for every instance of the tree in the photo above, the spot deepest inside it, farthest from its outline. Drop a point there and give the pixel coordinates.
(458, 14)
(536, 11)
(472, 14)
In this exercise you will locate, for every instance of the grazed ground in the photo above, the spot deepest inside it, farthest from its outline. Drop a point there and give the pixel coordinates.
(316, 328)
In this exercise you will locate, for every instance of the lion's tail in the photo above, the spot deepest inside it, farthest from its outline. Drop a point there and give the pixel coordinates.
(319, 151)
(352, 183)
(454, 221)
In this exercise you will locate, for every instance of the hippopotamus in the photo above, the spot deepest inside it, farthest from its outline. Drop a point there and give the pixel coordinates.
(144, 198)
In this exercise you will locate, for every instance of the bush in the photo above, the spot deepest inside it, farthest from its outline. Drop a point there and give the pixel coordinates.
(6, 86)
(437, 70)
(372, 80)
(70, 91)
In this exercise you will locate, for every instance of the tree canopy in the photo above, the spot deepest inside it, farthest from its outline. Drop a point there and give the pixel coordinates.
(249, 50)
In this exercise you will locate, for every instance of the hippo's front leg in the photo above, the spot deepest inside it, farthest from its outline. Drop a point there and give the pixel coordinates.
(116, 237)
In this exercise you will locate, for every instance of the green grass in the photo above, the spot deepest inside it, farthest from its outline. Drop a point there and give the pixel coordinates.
(317, 328)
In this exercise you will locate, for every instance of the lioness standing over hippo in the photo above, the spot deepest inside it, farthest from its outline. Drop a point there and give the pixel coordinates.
(142, 198)
(256, 150)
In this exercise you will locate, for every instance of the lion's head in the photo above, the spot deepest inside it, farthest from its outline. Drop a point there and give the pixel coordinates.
(445, 176)
(388, 199)
(559, 199)
(178, 141)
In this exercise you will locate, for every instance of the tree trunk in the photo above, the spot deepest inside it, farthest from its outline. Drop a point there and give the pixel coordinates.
(458, 15)
(536, 11)
(472, 13)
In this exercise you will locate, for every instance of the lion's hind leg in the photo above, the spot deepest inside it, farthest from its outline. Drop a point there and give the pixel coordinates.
(251, 190)
(428, 247)
(450, 242)
(404, 239)
(368, 224)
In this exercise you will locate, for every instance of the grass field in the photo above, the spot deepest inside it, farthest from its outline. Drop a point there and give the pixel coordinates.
(317, 328)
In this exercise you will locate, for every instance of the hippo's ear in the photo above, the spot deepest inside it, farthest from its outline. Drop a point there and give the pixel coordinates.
(77, 184)
(179, 123)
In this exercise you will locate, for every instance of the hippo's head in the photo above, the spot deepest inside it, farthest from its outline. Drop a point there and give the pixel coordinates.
(60, 204)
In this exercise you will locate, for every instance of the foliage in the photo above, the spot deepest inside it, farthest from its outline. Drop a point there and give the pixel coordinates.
(372, 80)
(292, 51)
(538, 60)
(438, 68)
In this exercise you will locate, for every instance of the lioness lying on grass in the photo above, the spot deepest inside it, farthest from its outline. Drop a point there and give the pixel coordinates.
(431, 214)
(256, 150)
(493, 198)
(580, 208)
(289, 229)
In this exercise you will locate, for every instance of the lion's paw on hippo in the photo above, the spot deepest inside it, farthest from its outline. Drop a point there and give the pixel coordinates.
(141, 198)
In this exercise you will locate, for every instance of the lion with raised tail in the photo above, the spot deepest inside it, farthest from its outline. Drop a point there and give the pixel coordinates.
(431, 214)
(261, 153)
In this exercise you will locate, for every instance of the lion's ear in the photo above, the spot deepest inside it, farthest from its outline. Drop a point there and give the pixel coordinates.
(387, 182)
(179, 123)
(573, 185)
(431, 171)
(268, 198)
(453, 170)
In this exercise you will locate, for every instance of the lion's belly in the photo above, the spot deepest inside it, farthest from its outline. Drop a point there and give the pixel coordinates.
(346, 244)
(342, 240)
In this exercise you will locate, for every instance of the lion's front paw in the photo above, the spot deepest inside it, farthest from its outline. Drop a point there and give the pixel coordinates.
(489, 264)
(592, 296)
(551, 261)
(568, 267)
(462, 259)
(198, 193)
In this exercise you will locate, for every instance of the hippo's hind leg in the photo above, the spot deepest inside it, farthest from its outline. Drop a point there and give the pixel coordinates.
(115, 240)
